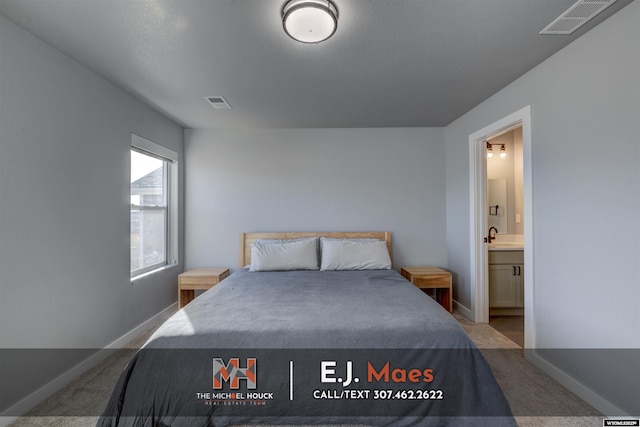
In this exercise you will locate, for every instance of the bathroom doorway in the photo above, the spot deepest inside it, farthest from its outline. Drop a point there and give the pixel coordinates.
(505, 233)
(520, 123)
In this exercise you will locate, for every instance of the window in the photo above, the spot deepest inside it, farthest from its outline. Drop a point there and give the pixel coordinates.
(153, 202)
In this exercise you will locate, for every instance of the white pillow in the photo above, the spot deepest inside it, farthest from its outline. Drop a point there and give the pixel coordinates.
(284, 255)
(354, 254)
(316, 240)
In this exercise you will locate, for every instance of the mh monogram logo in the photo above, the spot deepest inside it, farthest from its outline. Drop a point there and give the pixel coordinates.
(233, 373)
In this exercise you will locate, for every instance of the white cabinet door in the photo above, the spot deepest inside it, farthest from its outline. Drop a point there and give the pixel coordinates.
(502, 290)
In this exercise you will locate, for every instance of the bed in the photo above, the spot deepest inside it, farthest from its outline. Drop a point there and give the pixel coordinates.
(328, 345)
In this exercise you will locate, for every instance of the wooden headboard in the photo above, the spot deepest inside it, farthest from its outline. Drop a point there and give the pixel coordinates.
(246, 239)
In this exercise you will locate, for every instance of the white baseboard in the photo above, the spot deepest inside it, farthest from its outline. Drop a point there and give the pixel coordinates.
(576, 387)
(62, 380)
(139, 330)
(465, 311)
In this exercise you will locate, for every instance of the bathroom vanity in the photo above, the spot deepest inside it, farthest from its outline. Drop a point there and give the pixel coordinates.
(506, 280)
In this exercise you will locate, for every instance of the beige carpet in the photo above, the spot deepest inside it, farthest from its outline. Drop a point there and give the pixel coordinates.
(528, 390)
(511, 327)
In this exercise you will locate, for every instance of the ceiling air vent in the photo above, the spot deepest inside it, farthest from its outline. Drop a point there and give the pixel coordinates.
(218, 102)
(576, 16)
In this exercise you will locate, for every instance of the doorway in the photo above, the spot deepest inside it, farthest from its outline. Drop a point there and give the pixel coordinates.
(479, 214)
(505, 234)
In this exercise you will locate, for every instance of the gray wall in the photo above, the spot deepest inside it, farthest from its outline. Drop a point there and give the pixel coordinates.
(315, 179)
(585, 113)
(64, 204)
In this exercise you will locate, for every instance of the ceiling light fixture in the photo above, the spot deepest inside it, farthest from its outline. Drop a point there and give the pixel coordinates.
(310, 21)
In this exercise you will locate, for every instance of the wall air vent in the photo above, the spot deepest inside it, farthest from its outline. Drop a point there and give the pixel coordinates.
(576, 16)
(218, 102)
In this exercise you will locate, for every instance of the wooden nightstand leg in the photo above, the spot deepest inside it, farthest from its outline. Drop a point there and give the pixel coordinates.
(443, 295)
(445, 299)
(185, 297)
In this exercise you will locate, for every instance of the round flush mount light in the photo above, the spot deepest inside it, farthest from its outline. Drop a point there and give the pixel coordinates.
(309, 21)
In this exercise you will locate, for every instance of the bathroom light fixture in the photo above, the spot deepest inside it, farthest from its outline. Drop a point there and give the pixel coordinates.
(489, 151)
(309, 21)
(503, 153)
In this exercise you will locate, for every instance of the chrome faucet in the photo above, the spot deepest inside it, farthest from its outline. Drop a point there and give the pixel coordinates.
(490, 238)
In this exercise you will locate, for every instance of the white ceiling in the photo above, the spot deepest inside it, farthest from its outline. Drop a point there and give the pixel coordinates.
(391, 63)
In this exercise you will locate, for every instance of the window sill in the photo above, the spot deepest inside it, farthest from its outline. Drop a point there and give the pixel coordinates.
(153, 272)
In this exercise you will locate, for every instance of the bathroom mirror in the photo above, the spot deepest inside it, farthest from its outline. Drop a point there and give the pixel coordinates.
(497, 204)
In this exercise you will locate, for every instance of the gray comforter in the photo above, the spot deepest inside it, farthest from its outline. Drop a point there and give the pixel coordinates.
(309, 347)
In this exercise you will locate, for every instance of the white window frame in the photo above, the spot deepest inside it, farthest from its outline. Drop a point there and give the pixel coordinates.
(160, 152)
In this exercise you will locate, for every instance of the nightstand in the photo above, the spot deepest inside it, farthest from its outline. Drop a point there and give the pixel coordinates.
(198, 279)
(432, 278)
